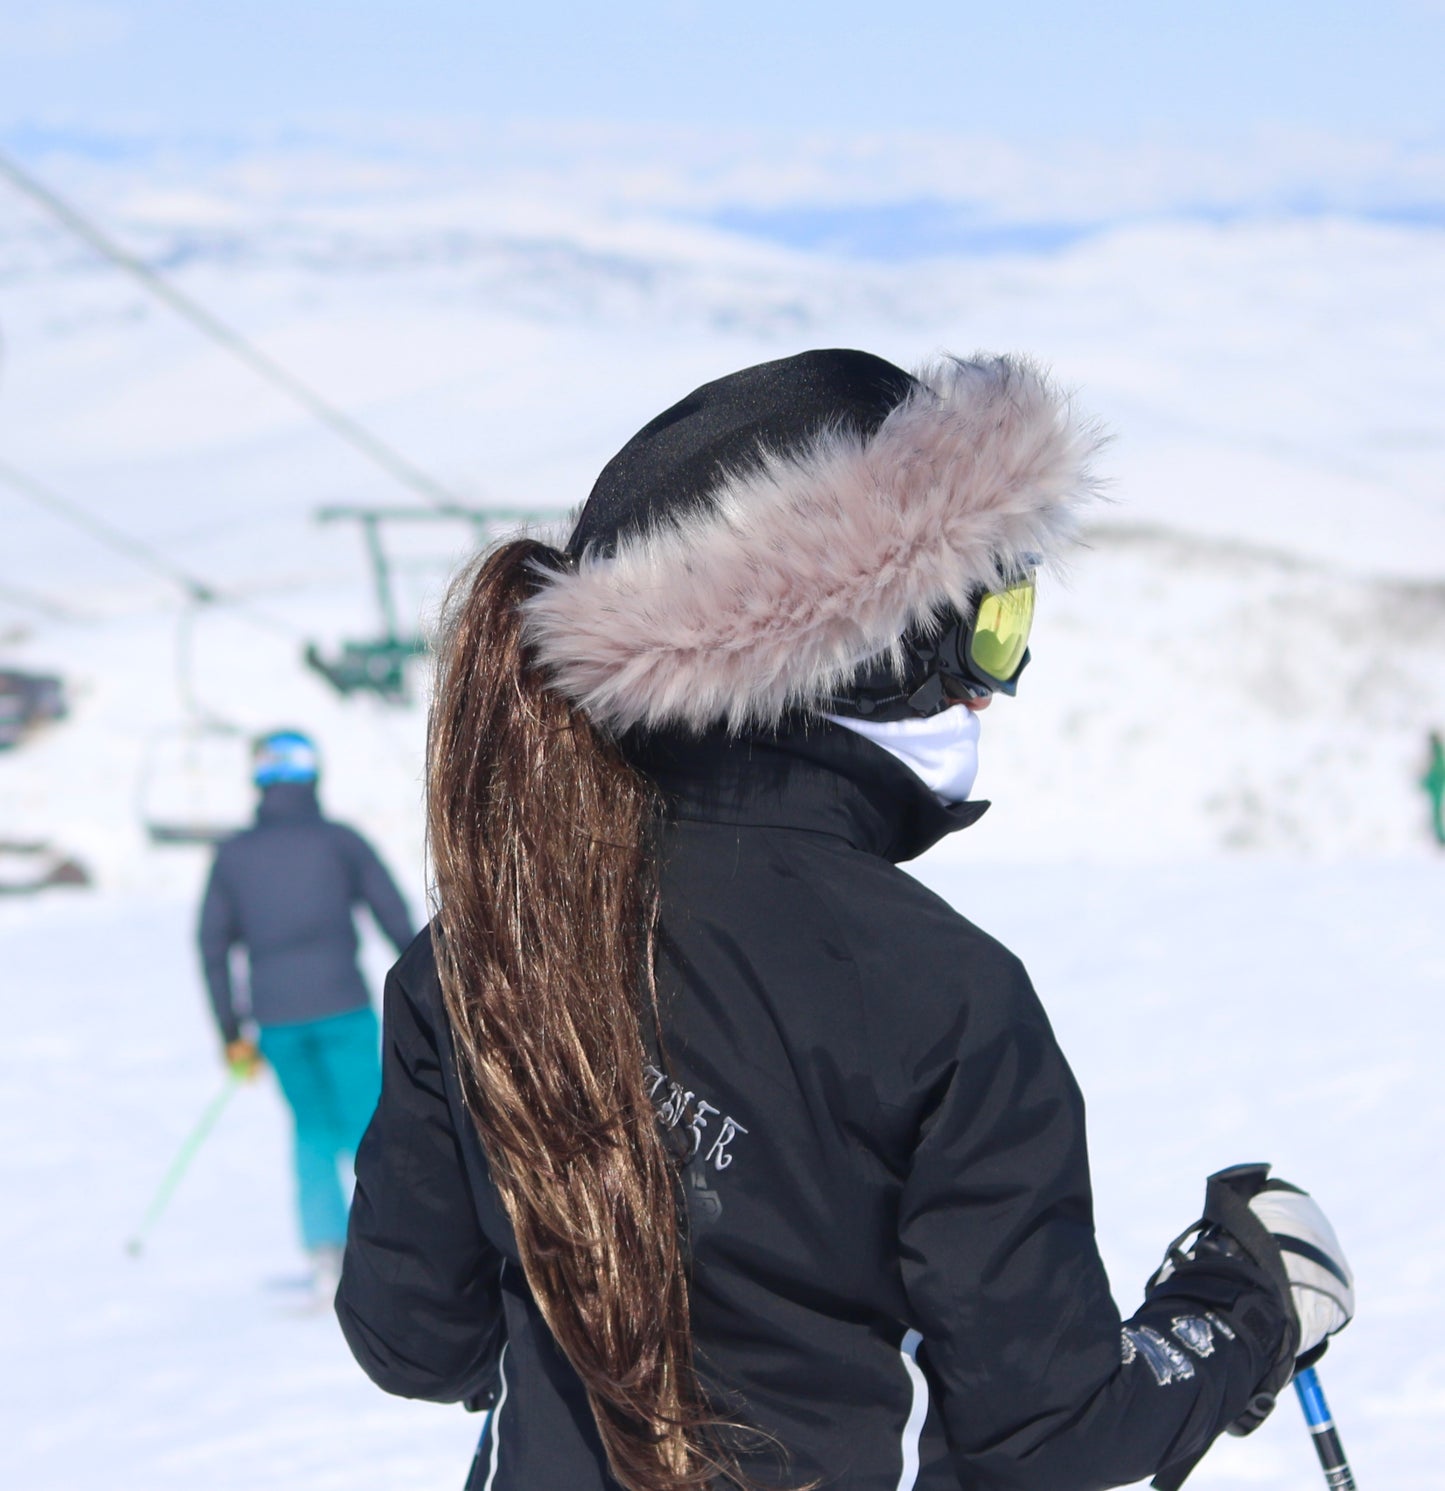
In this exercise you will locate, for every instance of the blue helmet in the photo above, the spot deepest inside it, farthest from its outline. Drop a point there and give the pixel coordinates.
(284, 756)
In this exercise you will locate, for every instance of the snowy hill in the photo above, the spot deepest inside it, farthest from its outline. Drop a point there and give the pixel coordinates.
(1249, 657)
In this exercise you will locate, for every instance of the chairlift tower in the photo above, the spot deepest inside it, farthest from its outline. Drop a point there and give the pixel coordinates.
(378, 665)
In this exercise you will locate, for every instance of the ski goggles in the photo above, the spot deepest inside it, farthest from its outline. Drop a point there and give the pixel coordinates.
(994, 644)
(960, 657)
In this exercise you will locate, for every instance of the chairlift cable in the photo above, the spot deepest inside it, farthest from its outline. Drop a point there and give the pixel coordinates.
(142, 553)
(42, 605)
(266, 367)
(197, 591)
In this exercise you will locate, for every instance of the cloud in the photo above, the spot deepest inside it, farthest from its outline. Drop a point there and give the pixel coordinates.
(871, 195)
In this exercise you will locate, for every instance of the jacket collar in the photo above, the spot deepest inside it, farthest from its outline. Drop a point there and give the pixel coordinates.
(811, 775)
(283, 800)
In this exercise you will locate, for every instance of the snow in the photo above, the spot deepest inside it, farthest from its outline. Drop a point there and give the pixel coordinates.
(1207, 840)
(193, 1364)
(1215, 1012)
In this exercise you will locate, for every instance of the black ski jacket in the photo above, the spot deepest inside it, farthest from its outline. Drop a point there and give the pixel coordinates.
(894, 1269)
(284, 889)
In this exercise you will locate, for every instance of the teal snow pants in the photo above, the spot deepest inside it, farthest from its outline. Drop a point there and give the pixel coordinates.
(330, 1072)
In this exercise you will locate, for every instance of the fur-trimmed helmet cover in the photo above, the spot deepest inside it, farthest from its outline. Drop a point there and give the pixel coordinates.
(750, 548)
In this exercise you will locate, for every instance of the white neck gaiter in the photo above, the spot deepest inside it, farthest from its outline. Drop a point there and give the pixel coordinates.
(941, 749)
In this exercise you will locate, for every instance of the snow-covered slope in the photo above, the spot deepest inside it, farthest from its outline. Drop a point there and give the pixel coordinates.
(1214, 1013)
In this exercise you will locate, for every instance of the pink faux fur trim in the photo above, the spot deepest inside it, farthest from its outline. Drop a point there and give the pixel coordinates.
(808, 564)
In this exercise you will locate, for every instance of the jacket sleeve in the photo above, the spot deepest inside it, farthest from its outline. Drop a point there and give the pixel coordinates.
(377, 891)
(419, 1301)
(218, 933)
(1040, 1383)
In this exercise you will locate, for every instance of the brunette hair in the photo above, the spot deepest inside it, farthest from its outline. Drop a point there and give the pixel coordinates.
(546, 909)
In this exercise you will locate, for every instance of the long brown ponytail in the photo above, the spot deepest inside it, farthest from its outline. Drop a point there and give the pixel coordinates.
(538, 831)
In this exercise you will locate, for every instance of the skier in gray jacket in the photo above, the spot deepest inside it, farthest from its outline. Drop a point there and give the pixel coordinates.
(284, 890)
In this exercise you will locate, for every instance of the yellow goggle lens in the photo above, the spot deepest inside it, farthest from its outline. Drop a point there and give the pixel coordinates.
(1001, 630)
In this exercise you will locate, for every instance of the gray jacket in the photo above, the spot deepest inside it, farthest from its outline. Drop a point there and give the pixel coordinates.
(284, 889)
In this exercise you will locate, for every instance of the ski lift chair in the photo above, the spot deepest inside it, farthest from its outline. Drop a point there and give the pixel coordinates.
(195, 785)
(29, 866)
(378, 667)
(28, 699)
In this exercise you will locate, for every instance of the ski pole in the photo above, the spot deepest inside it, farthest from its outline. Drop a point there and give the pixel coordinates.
(182, 1161)
(1323, 1432)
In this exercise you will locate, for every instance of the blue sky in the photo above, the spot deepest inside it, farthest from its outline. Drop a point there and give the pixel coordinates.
(1031, 70)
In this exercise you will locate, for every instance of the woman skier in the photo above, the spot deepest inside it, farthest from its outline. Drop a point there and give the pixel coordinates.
(712, 1148)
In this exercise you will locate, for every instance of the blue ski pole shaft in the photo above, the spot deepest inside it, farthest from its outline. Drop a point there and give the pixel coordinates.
(1322, 1431)
(182, 1161)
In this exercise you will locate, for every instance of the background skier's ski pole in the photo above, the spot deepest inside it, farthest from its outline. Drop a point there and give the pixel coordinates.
(181, 1163)
(1322, 1431)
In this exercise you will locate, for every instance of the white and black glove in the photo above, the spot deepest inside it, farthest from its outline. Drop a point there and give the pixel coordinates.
(1283, 1234)
(1321, 1286)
